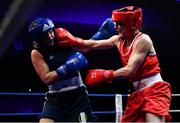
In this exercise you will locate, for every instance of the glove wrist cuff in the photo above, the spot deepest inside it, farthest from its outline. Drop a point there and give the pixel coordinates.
(61, 71)
(80, 43)
(108, 75)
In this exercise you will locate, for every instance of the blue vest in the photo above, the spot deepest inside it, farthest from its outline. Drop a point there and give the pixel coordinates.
(57, 57)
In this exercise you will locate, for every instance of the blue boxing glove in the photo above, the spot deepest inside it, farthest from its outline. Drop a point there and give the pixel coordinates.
(107, 29)
(73, 63)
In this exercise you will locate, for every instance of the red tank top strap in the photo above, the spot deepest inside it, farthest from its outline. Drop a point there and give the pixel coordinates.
(138, 35)
(121, 44)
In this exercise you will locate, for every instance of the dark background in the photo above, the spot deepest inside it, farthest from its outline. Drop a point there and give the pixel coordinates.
(83, 18)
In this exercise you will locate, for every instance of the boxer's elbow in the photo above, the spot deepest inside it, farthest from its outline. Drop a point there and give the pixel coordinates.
(46, 80)
(128, 71)
(49, 78)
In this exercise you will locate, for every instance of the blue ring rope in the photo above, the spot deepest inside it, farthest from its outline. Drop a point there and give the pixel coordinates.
(20, 114)
(42, 94)
(22, 94)
(39, 113)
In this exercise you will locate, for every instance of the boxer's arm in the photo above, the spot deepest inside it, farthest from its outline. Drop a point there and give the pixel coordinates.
(66, 39)
(140, 50)
(101, 44)
(137, 57)
(98, 44)
(42, 68)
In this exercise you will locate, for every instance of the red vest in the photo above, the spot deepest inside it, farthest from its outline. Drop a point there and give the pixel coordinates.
(149, 67)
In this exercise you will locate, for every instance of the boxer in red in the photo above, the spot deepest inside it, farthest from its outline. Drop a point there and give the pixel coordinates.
(151, 99)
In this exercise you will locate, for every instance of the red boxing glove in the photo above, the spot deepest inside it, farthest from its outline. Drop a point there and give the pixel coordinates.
(66, 39)
(97, 76)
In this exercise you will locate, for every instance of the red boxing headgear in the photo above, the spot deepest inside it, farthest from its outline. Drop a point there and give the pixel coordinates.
(131, 16)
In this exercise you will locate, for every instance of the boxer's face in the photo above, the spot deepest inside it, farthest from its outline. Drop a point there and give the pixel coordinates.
(48, 38)
(121, 28)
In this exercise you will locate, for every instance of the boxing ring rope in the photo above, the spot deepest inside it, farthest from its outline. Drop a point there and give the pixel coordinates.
(118, 104)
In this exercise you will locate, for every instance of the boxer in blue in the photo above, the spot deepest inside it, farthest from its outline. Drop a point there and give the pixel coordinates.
(59, 68)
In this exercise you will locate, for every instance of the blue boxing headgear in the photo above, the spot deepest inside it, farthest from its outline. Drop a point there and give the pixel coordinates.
(38, 27)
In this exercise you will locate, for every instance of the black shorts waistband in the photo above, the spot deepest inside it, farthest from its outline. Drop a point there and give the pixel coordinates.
(55, 96)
